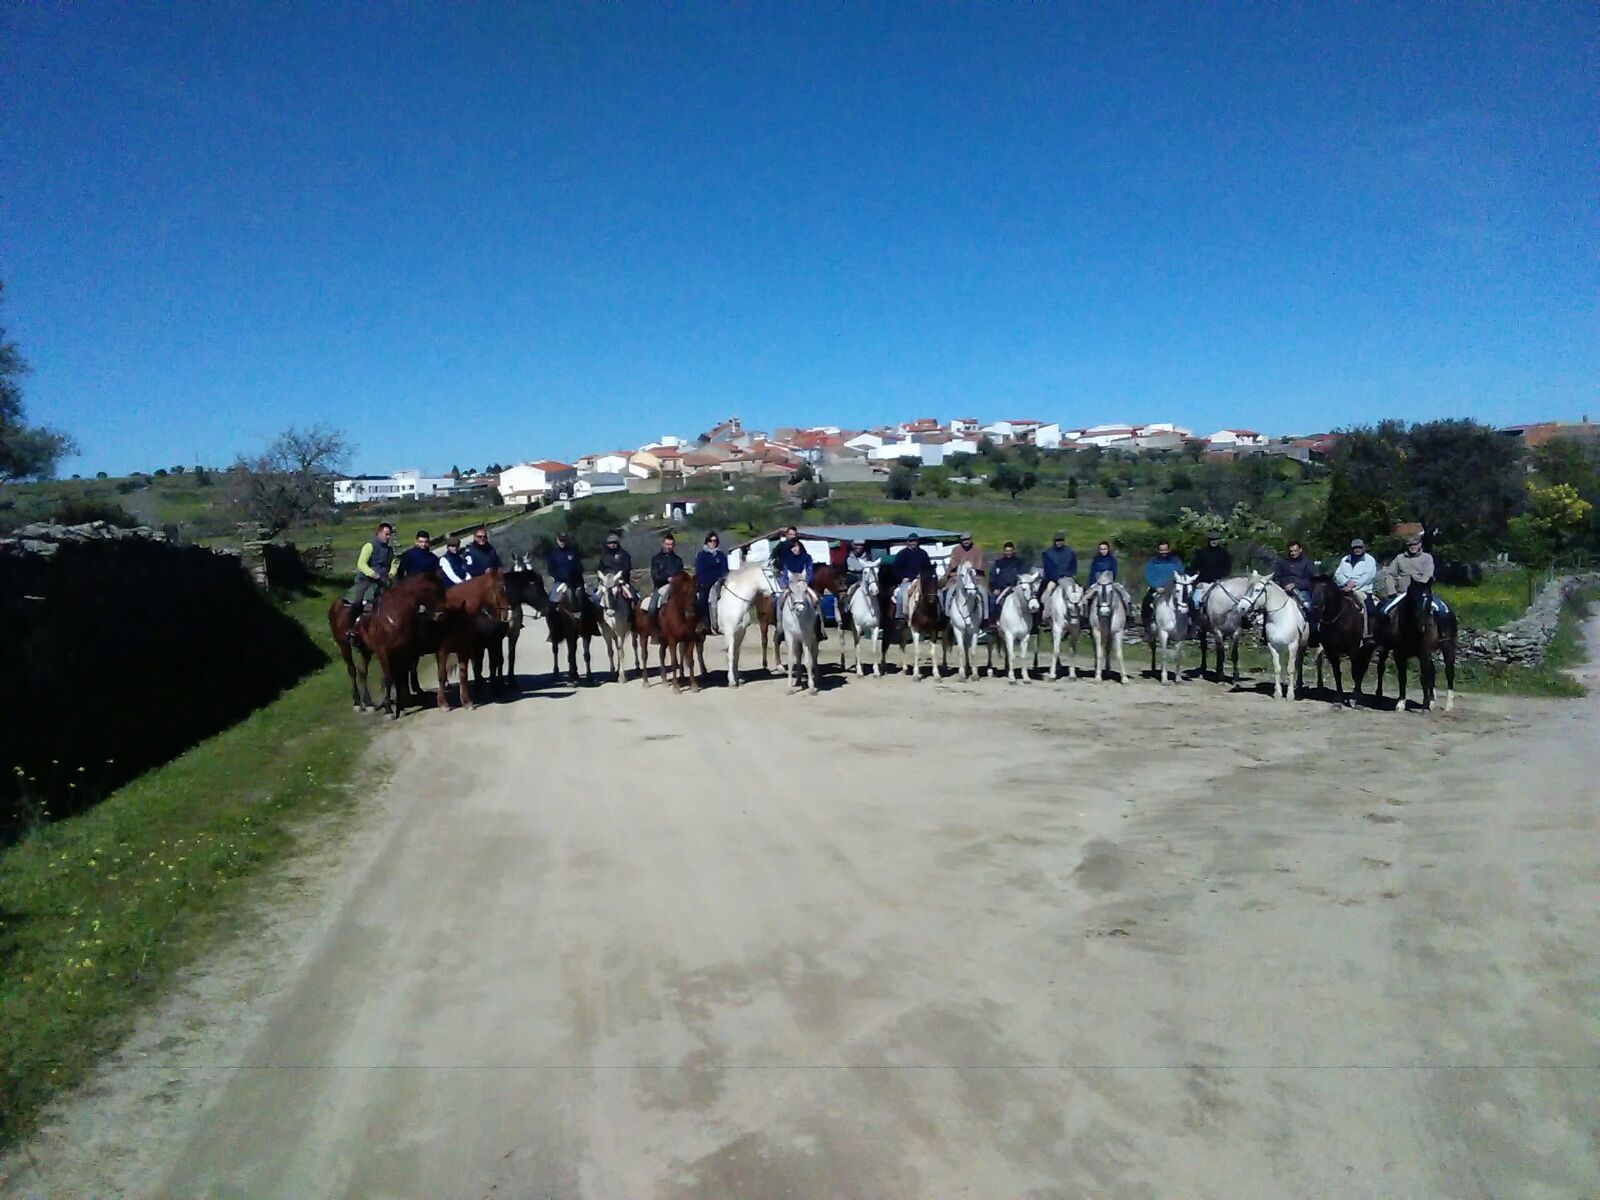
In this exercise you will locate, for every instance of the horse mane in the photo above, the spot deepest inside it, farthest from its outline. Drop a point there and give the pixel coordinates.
(471, 597)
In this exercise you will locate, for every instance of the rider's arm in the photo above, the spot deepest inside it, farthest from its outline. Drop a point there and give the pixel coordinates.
(364, 562)
(449, 571)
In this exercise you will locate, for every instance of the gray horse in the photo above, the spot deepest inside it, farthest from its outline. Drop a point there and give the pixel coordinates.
(1220, 617)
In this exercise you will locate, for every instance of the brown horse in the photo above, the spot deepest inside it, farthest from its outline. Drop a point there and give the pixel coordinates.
(925, 623)
(389, 634)
(470, 612)
(573, 619)
(644, 630)
(1339, 635)
(1414, 630)
(679, 630)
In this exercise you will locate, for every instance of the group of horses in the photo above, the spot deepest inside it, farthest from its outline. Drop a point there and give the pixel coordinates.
(481, 620)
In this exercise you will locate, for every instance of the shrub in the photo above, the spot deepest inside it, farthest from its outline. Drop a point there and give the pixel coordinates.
(81, 512)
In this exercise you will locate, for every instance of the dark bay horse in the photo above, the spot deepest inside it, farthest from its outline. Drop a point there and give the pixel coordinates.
(573, 618)
(389, 634)
(1339, 625)
(679, 630)
(924, 622)
(1412, 629)
(470, 613)
(524, 586)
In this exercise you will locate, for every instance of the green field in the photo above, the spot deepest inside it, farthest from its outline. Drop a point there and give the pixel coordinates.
(98, 911)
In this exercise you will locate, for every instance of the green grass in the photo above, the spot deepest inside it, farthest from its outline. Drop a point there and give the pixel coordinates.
(1499, 598)
(98, 911)
(1550, 677)
(993, 519)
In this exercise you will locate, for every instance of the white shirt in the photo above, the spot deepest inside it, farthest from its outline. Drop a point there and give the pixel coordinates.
(1362, 572)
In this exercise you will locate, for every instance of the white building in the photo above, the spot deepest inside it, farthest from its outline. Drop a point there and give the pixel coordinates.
(599, 483)
(932, 453)
(402, 485)
(964, 425)
(1229, 439)
(1048, 437)
(1107, 435)
(527, 482)
(865, 442)
(609, 462)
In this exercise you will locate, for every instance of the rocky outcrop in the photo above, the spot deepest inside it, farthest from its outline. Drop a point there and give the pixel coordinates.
(44, 538)
(1527, 638)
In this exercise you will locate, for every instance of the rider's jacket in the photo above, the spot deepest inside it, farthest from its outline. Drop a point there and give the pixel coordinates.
(709, 566)
(454, 566)
(664, 566)
(1059, 564)
(1006, 571)
(793, 559)
(1361, 572)
(612, 561)
(417, 561)
(963, 554)
(1212, 564)
(911, 563)
(565, 565)
(376, 560)
(1100, 563)
(1293, 574)
(480, 558)
(1159, 570)
(1407, 567)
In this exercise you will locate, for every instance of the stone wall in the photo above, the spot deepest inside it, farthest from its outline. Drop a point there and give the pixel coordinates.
(44, 538)
(1527, 638)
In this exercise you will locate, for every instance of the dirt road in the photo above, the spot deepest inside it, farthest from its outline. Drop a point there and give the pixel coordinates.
(905, 940)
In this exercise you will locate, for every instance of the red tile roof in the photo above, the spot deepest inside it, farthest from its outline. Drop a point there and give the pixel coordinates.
(549, 464)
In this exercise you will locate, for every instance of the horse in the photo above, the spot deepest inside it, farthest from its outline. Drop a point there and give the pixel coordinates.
(615, 618)
(1017, 608)
(1062, 606)
(524, 586)
(1284, 628)
(864, 606)
(644, 630)
(797, 616)
(1108, 609)
(964, 617)
(1169, 627)
(1339, 625)
(1414, 630)
(679, 630)
(825, 577)
(470, 612)
(1220, 616)
(924, 622)
(389, 634)
(737, 602)
(571, 618)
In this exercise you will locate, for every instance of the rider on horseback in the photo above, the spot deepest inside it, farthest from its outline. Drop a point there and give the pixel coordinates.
(614, 560)
(1292, 573)
(1212, 565)
(453, 563)
(480, 555)
(663, 567)
(1057, 563)
(965, 553)
(792, 558)
(1356, 574)
(1158, 572)
(1008, 569)
(565, 566)
(419, 559)
(1414, 565)
(710, 569)
(911, 564)
(376, 566)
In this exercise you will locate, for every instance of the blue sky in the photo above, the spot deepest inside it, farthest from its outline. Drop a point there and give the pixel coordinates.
(484, 232)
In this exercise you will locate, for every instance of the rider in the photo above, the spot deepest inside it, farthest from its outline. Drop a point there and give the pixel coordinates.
(615, 560)
(964, 552)
(480, 555)
(1057, 563)
(1212, 565)
(565, 565)
(453, 563)
(1292, 573)
(419, 559)
(792, 558)
(375, 568)
(1102, 561)
(1158, 572)
(1356, 574)
(1414, 564)
(859, 561)
(710, 569)
(663, 567)
(1008, 569)
(912, 562)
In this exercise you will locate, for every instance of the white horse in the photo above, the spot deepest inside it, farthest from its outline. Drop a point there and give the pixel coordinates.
(1169, 628)
(1220, 617)
(797, 617)
(966, 615)
(616, 618)
(864, 604)
(1108, 607)
(1283, 625)
(736, 608)
(1063, 609)
(1015, 625)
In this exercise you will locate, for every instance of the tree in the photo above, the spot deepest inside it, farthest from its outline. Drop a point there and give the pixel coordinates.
(289, 483)
(175, 470)
(900, 483)
(1072, 487)
(1113, 488)
(1028, 455)
(803, 473)
(26, 451)
(99, 474)
(1567, 460)
(160, 473)
(986, 446)
(960, 462)
(810, 491)
(1008, 477)
(1465, 482)
(1553, 525)
(202, 477)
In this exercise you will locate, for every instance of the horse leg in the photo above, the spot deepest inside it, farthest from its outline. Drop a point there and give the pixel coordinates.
(1400, 665)
(588, 667)
(1118, 647)
(350, 669)
(735, 638)
(441, 668)
(811, 665)
(1425, 675)
(1449, 651)
(1177, 661)
(466, 695)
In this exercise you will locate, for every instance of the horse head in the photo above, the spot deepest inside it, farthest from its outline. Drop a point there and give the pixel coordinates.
(1183, 588)
(1417, 606)
(1028, 589)
(1255, 593)
(967, 577)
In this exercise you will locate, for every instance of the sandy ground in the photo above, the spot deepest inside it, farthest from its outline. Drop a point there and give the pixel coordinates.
(903, 940)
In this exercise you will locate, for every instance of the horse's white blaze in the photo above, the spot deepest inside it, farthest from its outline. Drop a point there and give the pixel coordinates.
(1108, 612)
(1015, 625)
(966, 617)
(1169, 621)
(736, 609)
(797, 617)
(615, 621)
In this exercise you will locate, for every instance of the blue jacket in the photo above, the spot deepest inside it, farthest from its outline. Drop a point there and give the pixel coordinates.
(1004, 572)
(1159, 570)
(911, 563)
(458, 565)
(793, 560)
(480, 558)
(565, 566)
(1102, 562)
(1059, 564)
(709, 566)
(417, 561)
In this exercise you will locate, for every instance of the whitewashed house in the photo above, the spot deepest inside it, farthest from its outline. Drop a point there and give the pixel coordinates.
(599, 483)
(527, 482)
(402, 485)
(1235, 439)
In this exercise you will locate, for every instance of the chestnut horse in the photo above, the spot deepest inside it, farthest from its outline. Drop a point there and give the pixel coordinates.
(926, 622)
(389, 634)
(679, 630)
(470, 612)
